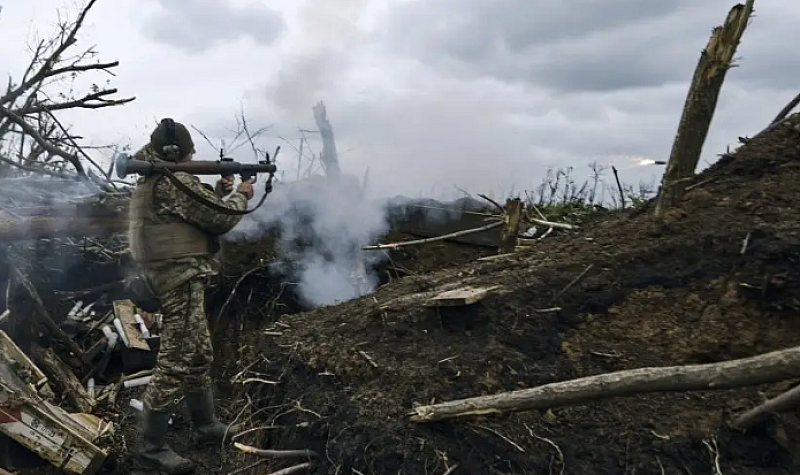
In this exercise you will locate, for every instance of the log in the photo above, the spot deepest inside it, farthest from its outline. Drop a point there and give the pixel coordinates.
(16, 228)
(783, 402)
(511, 221)
(701, 102)
(762, 369)
(63, 378)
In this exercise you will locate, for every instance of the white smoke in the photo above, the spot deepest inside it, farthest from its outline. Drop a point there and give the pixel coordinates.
(321, 227)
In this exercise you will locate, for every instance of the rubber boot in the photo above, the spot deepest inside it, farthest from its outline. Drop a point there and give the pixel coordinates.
(207, 429)
(154, 453)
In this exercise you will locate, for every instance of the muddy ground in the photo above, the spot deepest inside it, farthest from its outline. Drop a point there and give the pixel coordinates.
(674, 291)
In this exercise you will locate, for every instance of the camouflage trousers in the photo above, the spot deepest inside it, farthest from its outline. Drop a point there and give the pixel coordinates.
(184, 360)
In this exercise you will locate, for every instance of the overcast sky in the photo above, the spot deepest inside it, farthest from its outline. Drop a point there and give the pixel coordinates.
(430, 94)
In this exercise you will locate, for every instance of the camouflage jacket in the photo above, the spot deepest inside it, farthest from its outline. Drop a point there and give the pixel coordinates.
(171, 201)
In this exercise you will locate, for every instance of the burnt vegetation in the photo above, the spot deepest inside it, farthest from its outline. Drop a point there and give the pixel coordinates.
(613, 279)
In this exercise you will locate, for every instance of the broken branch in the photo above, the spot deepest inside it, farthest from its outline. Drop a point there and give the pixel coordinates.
(380, 247)
(280, 454)
(783, 402)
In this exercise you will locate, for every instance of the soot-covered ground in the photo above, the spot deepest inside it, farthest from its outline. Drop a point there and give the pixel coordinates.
(341, 380)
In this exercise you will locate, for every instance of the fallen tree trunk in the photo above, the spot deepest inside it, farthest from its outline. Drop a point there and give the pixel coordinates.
(17, 228)
(767, 368)
(701, 102)
(783, 402)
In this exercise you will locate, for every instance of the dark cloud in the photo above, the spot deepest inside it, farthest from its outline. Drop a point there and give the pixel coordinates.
(197, 25)
(587, 45)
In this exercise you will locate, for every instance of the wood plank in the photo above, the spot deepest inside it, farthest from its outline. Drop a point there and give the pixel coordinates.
(460, 297)
(125, 310)
(11, 350)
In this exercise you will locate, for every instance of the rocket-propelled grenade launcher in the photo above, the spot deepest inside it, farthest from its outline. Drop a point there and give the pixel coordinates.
(225, 167)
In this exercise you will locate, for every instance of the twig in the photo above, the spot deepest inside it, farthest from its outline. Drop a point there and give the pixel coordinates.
(277, 454)
(572, 283)
(498, 434)
(551, 224)
(451, 470)
(368, 358)
(714, 450)
(746, 242)
(292, 469)
(233, 291)
(380, 247)
(553, 444)
(495, 203)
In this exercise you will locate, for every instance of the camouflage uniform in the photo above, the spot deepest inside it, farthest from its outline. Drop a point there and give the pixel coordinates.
(173, 239)
(186, 354)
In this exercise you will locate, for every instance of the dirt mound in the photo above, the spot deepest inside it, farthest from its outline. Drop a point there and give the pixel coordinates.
(677, 291)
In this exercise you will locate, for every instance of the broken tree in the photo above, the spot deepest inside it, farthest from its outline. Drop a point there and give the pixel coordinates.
(329, 156)
(701, 102)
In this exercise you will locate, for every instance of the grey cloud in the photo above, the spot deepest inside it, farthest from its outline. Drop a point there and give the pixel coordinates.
(586, 45)
(197, 25)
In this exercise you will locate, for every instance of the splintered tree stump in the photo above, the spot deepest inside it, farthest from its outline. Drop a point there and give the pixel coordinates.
(511, 223)
(63, 378)
(701, 102)
(767, 368)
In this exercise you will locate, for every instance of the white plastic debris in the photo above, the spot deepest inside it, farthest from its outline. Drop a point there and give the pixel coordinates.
(142, 326)
(137, 404)
(111, 336)
(74, 311)
(121, 331)
(90, 387)
(138, 382)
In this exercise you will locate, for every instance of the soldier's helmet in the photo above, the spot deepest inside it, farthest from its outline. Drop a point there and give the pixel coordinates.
(171, 140)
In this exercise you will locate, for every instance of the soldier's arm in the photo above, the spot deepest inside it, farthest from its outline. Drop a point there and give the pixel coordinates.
(209, 219)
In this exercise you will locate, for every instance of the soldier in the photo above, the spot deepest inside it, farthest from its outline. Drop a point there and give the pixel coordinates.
(173, 239)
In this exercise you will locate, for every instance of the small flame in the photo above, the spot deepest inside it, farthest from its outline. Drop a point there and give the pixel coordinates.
(646, 161)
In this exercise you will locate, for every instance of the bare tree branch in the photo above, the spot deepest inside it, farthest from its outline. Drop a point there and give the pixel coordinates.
(32, 138)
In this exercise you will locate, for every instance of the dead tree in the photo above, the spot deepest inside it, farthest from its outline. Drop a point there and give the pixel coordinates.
(701, 102)
(329, 156)
(32, 137)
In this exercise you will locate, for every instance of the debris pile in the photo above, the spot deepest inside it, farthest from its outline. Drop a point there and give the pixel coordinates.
(114, 349)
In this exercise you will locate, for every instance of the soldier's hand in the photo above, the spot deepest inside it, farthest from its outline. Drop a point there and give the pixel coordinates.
(224, 186)
(246, 188)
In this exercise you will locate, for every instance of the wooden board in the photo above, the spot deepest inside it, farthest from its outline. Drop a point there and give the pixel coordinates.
(460, 297)
(46, 430)
(11, 350)
(125, 310)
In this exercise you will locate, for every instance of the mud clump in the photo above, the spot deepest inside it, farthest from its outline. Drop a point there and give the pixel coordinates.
(681, 290)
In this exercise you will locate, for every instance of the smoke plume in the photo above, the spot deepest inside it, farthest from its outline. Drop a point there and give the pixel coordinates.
(319, 229)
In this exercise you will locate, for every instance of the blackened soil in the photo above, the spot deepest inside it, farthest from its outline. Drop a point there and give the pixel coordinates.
(660, 292)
